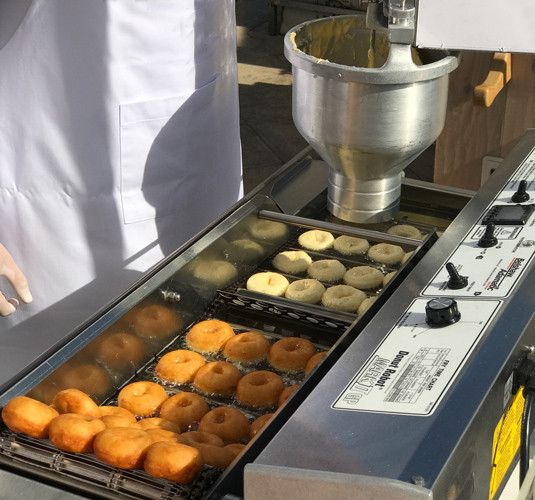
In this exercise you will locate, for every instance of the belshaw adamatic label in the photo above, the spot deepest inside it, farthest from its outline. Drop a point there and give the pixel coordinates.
(412, 369)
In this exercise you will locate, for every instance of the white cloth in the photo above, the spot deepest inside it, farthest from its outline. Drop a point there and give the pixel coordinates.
(119, 140)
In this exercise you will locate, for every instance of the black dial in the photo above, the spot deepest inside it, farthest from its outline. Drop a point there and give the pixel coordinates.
(442, 312)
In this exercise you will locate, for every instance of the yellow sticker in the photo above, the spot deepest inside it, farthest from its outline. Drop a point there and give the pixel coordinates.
(506, 442)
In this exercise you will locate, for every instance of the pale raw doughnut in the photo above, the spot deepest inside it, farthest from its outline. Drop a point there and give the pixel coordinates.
(179, 366)
(364, 278)
(316, 240)
(174, 461)
(292, 261)
(247, 251)
(28, 416)
(217, 272)
(407, 256)
(365, 305)
(328, 270)
(406, 231)
(309, 291)
(343, 298)
(385, 253)
(388, 278)
(142, 398)
(268, 230)
(123, 447)
(350, 245)
(268, 283)
(74, 433)
(75, 401)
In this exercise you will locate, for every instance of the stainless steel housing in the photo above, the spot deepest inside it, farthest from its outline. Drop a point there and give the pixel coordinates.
(367, 123)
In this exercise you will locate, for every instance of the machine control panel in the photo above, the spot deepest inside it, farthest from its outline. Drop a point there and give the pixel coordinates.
(411, 370)
(494, 255)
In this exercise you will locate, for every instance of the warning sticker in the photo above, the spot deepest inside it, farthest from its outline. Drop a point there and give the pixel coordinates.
(415, 364)
(506, 442)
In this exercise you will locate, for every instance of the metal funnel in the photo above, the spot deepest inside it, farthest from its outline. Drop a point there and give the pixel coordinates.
(368, 110)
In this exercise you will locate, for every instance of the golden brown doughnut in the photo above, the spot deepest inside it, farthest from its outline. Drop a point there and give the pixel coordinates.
(116, 411)
(216, 456)
(287, 393)
(159, 423)
(259, 424)
(235, 448)
(156, 321)
(259, 389)
(86, 377)
(111, 421)
(197, 437)
(74, 433)
(157, 435)
(119, 350)
(122, 447)
(314, 361)
(209, 336)
(143, 399)
(28, 416)
(230, 424)
(247, 348)
(174, 461)
(184, 409)
(179, 366)
(291, 354)
(217, 377)
(75, 401)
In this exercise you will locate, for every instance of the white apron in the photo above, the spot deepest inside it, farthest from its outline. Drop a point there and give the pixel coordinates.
(119, 140)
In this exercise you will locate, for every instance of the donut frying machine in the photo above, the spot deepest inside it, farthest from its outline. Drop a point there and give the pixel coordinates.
(419, 397)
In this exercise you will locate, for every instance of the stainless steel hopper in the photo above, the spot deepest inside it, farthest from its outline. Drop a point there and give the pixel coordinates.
(367, 107)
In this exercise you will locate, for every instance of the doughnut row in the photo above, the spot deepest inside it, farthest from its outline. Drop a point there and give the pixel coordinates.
(161, 445)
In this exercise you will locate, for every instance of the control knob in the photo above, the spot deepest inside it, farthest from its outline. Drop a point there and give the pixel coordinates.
(442, 311)
(488, 239)
(521, 195)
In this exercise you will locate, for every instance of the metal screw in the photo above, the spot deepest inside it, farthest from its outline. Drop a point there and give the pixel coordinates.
(418, 480)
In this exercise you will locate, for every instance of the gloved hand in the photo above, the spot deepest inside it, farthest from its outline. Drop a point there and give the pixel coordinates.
(10, 270)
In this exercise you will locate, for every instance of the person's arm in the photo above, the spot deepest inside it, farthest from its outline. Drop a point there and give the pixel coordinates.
(16, 277)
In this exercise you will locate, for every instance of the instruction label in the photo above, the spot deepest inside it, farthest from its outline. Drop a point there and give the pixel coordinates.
(506, 442)
(493, 272)
(413, 367)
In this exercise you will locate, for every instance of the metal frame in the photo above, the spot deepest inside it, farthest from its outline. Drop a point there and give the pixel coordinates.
(454, 443)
